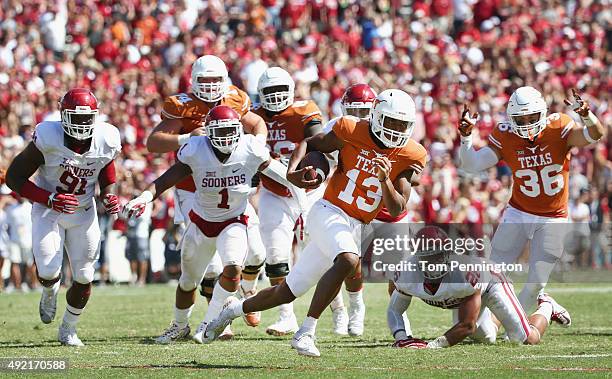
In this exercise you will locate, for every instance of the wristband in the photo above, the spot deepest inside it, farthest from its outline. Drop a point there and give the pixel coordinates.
(183, 138)
(466, 141)
(590, 119)
(146, 196)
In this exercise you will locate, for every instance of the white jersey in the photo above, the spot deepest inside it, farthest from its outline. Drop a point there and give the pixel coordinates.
(19, 221)
(65, 171)
(454, 288)
(222, 188)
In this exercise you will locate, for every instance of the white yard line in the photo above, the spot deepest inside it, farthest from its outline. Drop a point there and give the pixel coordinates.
(566, 356)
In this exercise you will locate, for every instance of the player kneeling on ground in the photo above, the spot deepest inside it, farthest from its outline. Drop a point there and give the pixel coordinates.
(222, 164)
(470, 293)
(70, 156)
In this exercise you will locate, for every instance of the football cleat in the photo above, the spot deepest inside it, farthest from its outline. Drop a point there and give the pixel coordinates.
(217, 327)
(340, 321)
(304, 343)
(227, 334)
(48, 304)
(67, 336)
(286, 324)
(173, 333)
(356, 314)
(559, 315)
(411, 343)
(197, 336)
(254, 318)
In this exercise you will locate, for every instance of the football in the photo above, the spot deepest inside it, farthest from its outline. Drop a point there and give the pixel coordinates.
(320, 165)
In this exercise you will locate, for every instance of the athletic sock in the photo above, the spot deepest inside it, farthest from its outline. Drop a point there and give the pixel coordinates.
(355, 298)
(216, 303)
(309, 325)
(285, 310)
(545, 309)
(71, 316)
(248, 285)
(181, 316)
(338, 302)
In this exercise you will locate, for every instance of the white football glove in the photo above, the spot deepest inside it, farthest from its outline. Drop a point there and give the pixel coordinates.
(136, 207)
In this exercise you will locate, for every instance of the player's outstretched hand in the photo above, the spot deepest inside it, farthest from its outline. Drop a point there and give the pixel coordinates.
(63, 202)
(577, 104)
(383, 167)
(411, 343)
(136, 207)
(111, 203)
(298, 178)
(467, 122)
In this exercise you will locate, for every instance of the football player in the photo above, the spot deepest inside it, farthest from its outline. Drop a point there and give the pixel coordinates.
(377, 162)
(182, 116)
(222, 163)
(288, 122)
(355, 102)
(470, 292)
(536, 146)
(70, 156)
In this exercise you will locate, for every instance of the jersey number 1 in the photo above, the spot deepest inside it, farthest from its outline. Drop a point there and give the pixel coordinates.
(224, 204)
(72, 182)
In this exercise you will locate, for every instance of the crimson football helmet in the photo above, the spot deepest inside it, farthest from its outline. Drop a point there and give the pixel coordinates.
(224, 128)
(432, 250)
(357, 100)
(79, 112)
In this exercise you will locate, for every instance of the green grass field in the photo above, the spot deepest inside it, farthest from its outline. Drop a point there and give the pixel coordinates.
(119, 324)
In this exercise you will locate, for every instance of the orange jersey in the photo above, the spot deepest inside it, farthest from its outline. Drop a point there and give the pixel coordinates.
(540, 168)
(285, 131)
(354, 186)
(192, 111)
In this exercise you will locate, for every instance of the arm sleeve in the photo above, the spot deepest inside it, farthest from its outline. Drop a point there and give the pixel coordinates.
(398, 304)
(107, 175)
(473, 160)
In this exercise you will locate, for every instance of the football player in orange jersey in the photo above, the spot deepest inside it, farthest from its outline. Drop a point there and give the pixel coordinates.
(377, 163)
(183, 116)
(536, 147)
(288, 122)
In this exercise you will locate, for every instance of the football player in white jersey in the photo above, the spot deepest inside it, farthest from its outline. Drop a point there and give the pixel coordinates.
(222, 164)
(470, 292)
(70, 156)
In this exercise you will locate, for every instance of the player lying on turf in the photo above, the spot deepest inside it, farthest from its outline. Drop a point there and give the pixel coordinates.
(377, 161)
(70, 156)
(222, 164)
(537, 149)
(470, 293)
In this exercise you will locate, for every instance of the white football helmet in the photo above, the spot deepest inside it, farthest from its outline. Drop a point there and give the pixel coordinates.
(527, 101)
(209, 66)
(393, 104)
(279, 100)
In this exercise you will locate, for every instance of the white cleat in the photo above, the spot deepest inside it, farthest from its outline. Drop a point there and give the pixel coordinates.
(48, 304)
(197, 336)
(305, 345)
(220, 326)
(559, 315)
(356, 316)
(340, 321)
(173, 333)
(286, 324)
(67, 336)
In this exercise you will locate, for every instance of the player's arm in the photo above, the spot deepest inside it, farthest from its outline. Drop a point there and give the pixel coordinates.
(18, 176)
(325, 143)
(166, 136)
(398, 304)
(473, 160)
(313, 127)
(593, 130)
(255, 125)
(395, 194)
(468, 315)
(107, 179)
(168, 179)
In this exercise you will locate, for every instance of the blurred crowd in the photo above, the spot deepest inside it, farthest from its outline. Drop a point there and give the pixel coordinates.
(444, 53)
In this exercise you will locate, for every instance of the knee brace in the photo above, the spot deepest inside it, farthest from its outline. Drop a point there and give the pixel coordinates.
(279, 270)
(210, 284)
(253, 270)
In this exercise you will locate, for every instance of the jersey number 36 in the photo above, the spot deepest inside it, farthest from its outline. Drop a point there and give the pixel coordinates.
(551, 183)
